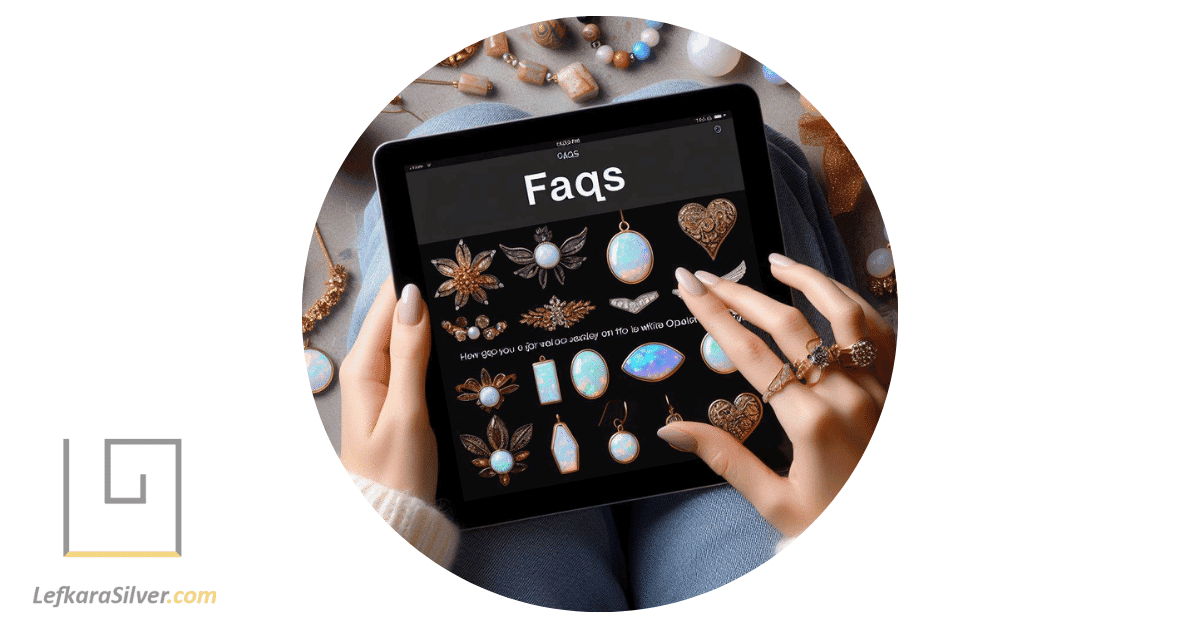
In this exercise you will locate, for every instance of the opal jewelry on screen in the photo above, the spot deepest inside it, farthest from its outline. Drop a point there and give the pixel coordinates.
(738, 418)
(557, 313)
(784, 377)
(714, 356)
(861, 354)
(652, 362)
(672, 416)
(547, 256)
(487, 392)
(708, 226)
(575, 80)
(634, 306)
(734, 275)
(319, 364)
(499, 456)
(564, 448)
(545, 377)
(621, 59)
(589, 374)
(630, 257)
(466, 277)
(622, 446)
(482, 328)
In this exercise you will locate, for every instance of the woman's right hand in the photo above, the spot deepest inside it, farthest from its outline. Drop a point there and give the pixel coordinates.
(828, 422)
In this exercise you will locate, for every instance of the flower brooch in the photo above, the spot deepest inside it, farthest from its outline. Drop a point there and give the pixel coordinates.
(487, 392)
(466, 277)
(547, 256)
(499, 456)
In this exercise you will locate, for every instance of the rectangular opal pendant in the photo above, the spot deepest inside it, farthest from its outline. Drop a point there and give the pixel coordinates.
(545, 375)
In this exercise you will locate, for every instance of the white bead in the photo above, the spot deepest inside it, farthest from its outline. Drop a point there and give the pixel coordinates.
(710, 56)
(473, 332)
(604, 54)
(650, 37)
(546, 255)
(879, 263)
(489, 396)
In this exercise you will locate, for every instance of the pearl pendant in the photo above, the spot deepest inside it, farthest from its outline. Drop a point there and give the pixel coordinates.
(880, 264)
(710, 56)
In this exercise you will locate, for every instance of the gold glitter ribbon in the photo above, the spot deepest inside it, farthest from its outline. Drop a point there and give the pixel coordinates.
(842, 173)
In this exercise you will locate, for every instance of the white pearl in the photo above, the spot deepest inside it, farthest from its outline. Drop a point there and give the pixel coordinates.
(473, 332)
(546, 255)
(604, 54)
(880, 264)
(650, 37)
(489, 396)
(710, 56)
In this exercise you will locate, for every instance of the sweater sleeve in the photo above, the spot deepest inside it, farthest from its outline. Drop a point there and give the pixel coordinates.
(421, 524)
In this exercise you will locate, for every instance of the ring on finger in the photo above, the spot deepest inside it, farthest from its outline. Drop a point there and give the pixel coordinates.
(814, 363)
(784, 377)
(861, 354)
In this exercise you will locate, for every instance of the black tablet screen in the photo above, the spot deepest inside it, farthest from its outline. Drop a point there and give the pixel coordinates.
(555, 262)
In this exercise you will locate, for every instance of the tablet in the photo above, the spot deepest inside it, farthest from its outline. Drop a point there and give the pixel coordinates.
(546, 249)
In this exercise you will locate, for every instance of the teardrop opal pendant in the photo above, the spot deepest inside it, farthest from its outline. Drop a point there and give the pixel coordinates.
(630, 257)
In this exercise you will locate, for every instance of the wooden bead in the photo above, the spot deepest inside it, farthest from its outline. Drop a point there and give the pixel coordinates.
(531, 72)
(472, 84)
(622, 59)
(551, 33)
(578, 83)
(496, 45)
(591, 33)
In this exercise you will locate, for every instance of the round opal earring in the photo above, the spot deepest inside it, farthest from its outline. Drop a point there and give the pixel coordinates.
(622, 446)
(630, 257)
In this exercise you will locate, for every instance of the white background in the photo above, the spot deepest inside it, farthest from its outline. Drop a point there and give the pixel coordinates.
(163, 165)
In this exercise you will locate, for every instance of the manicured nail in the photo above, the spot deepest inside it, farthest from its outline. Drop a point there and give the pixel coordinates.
(780, 260)
(410, 305)
(688, 282)
(708, 278)
(678, 438)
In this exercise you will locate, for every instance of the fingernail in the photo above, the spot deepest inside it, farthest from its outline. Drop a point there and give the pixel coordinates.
(780, 260)
(410, 305)
(678, 438)
(688, 282)
(707, 277)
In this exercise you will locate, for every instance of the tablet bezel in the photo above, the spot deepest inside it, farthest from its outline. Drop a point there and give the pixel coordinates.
(390, 160)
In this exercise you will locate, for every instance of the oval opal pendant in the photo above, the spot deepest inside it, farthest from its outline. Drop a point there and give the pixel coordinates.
(652, 362)
(630, 257)
(714, 356)
(320, 369)
(623, 447)
(589, 374)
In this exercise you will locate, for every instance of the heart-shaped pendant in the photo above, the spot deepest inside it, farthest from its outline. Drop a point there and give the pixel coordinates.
(708, 226)
(738, 418)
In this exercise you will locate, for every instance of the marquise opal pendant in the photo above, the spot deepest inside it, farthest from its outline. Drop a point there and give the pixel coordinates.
(630, 257)
(589, 374)
(545, 376)
(652, 362)
(564, 448)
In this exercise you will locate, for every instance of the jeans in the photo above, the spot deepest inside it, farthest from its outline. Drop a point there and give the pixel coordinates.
(653, 551)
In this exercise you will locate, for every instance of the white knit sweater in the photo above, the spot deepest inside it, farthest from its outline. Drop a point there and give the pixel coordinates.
(421, 524)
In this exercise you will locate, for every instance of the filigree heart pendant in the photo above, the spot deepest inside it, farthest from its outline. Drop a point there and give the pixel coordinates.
(738, 418)
(708, 226)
